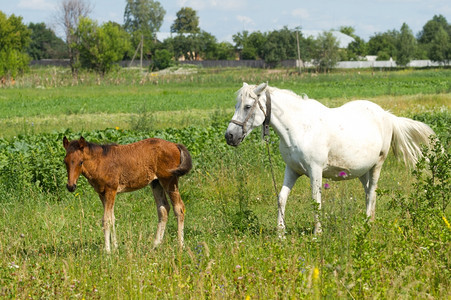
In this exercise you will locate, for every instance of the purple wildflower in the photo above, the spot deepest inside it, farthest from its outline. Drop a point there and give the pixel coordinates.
(326, 186)
(343, 174)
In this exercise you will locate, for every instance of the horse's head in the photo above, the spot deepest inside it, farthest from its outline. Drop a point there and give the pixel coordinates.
(74, 160)
(249, 113)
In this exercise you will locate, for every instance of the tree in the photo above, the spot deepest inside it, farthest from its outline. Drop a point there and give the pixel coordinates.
(187, 21)
(406, 46)
(225, 51)
(14, 39)
(348, 30)
(357, 49)
(143, 19)
(440, 47)
(100, 47)
(327, 54)
(250, 45)
(68, 14)
(435, 39)
(280, 45)
(383, 45)
(426, 35)
(44, 43)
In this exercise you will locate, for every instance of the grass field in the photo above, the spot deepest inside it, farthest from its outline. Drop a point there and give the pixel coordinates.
(51, 241)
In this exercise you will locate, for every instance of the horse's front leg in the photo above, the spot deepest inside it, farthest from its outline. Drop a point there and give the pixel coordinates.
(108, 220)
(288, 183)
(315, 183)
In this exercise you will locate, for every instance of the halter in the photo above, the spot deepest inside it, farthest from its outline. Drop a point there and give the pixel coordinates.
(254, 105)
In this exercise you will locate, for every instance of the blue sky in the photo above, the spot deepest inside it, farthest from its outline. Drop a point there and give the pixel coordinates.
(223, 18)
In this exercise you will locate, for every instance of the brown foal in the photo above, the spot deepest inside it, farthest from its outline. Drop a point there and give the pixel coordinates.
(112, 169)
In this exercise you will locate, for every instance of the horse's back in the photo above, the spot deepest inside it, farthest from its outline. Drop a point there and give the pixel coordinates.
(359, 134)
(141, 162)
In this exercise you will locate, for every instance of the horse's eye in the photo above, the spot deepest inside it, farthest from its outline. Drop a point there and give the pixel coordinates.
(81, 163)
(247, 106)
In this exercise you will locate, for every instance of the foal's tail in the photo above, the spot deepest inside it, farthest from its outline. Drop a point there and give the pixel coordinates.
(408, 136)
(185, 162)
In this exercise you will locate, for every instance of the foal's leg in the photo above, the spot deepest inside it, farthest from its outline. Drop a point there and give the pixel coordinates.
(288, 182)
(162, 209)
(369, 182)
(108, 219)
(171, 187)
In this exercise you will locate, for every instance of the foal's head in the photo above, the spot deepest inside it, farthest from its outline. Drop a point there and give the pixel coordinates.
(74, 160)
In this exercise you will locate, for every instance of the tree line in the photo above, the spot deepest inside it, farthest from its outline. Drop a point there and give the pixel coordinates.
(90, 45)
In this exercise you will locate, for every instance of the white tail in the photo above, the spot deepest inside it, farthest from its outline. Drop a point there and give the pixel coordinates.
(408, 136)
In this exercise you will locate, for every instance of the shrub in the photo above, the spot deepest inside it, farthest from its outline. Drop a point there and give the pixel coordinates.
(162, 59)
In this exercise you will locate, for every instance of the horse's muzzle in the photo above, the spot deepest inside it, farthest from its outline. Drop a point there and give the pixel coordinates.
(232, 140)
(71, 188)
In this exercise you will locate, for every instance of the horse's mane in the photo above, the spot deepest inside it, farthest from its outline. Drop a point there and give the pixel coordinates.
(106, 148)
(247, 90)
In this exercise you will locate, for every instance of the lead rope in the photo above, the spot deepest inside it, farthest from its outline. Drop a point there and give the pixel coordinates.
(266, 137)
(271, 166)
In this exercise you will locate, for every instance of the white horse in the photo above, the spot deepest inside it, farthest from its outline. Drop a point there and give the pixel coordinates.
(351, 141)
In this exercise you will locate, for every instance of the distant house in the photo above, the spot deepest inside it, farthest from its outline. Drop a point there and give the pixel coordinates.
(343, 39)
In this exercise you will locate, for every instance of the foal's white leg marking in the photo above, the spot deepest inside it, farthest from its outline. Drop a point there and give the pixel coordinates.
(113, 231)
(106, 233)
(315, 183)
(108, 220)
(288, 183)
(162, 210)
(179, 211)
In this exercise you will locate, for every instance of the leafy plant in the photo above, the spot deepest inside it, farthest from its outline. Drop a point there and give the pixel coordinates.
(162, 59)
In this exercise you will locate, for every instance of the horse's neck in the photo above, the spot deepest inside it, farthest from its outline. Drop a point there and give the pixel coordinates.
(92, 161)
(288, 112)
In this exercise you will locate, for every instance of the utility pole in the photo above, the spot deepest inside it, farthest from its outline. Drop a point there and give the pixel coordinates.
(142, 44)
(299, 52)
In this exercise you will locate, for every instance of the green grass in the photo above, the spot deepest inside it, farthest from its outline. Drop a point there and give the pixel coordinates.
(49, 99)
(51, 241)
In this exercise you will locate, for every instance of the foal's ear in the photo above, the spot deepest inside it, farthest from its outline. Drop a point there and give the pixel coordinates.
(82, 143)
(65, 142)
(259, 89)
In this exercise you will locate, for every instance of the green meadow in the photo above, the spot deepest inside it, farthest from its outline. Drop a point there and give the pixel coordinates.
(51, 241)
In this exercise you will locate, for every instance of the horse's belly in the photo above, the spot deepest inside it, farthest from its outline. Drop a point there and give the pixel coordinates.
(130, 183)
(341, 165)
(353, 164)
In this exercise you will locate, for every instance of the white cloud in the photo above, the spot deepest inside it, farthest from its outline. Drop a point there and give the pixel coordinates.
(300, 13)
(245, 20)
(36, 4)
(212, 4)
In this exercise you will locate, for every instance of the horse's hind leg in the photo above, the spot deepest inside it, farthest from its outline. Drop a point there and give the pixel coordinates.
(171, 187)
(162, 210)
(369, 182)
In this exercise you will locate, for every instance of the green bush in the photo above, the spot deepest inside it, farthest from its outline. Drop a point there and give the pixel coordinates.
(162, 59)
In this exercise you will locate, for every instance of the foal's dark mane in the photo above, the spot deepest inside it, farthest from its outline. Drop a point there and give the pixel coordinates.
(74, 146)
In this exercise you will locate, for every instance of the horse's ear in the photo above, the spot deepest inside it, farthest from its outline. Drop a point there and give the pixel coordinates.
(65, 142)
(245, 84)
(259, 89)
(82, 143)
